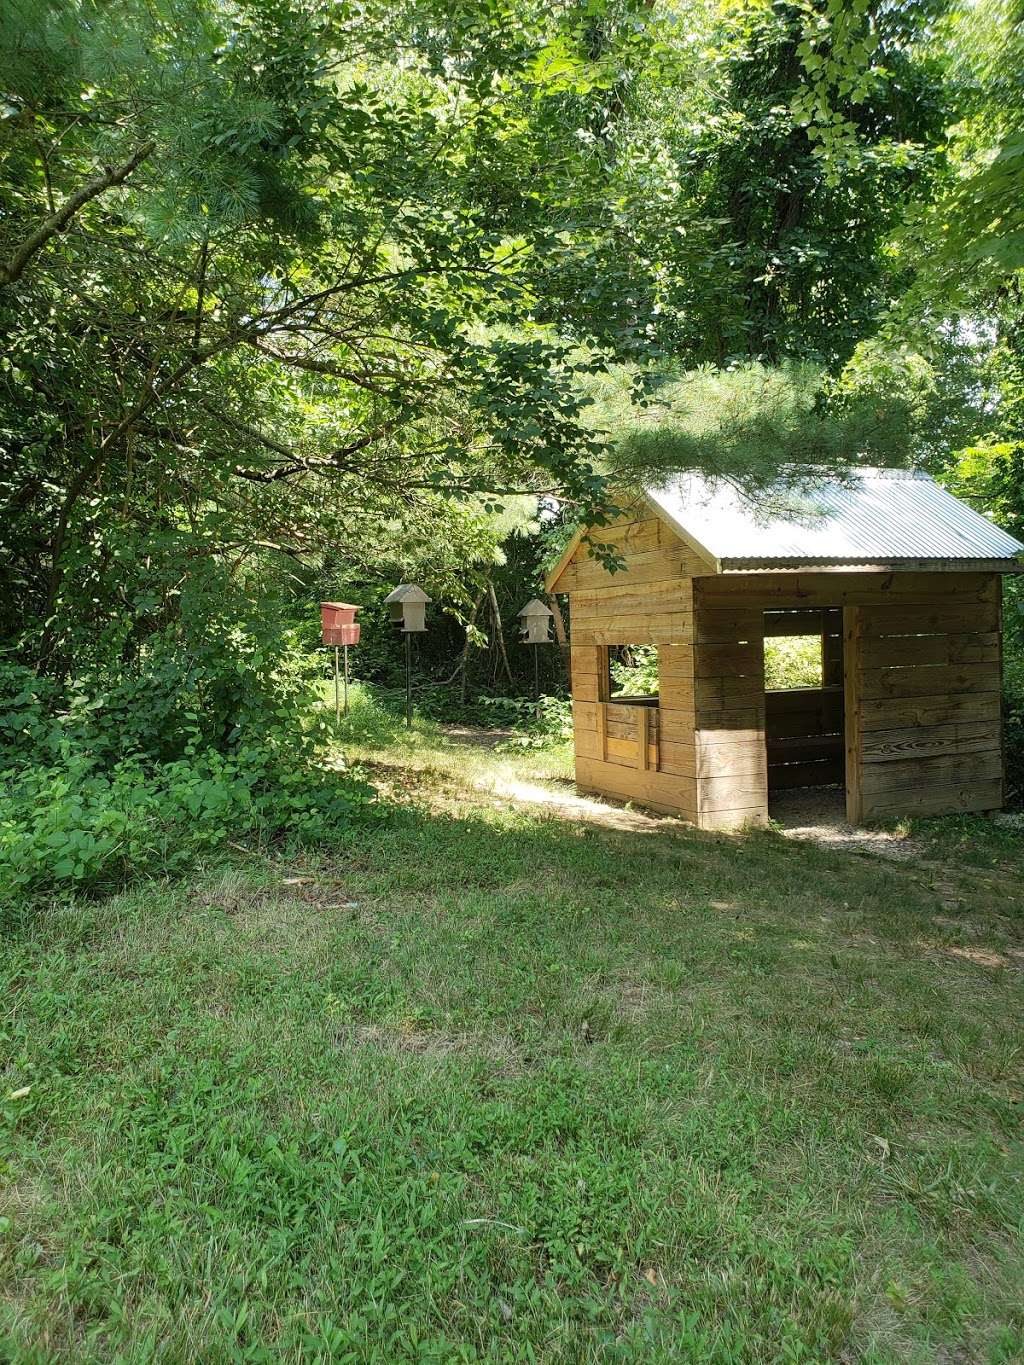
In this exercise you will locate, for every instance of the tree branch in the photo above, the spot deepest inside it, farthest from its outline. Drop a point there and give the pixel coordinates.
(57, 222)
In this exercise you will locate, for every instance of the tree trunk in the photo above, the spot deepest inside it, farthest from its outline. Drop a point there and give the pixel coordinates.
(467, 646)
(499, 634)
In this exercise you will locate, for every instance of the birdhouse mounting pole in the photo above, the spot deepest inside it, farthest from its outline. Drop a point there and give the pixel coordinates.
(408, 680)
(337, 704)
(346, 680)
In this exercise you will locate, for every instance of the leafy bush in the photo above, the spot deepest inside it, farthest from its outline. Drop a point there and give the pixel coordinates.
(196, 742)
(78, 824)
(537, 723)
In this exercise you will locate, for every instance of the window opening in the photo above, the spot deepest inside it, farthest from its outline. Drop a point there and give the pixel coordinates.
(633, 673)
(792, 661)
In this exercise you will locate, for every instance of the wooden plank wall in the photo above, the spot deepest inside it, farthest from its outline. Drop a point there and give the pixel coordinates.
(923, 729)
(925, 733)
(729, 714)
(648, 602)
(805, 738)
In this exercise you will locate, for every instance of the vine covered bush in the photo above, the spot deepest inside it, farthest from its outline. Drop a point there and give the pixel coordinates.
(138, 773)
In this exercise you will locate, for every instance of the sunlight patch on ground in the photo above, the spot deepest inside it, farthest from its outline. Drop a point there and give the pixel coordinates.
(568, 805)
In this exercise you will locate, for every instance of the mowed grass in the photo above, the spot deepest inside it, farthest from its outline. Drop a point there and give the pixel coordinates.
(485, 1083)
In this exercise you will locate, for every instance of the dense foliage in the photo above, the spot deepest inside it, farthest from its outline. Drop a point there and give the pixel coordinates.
(302, 299)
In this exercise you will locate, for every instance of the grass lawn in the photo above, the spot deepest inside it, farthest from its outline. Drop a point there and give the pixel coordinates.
(488, 1083)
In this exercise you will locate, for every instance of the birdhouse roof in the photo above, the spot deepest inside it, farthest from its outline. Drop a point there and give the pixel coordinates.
(407, 592)
(535, 607)
(342, 606)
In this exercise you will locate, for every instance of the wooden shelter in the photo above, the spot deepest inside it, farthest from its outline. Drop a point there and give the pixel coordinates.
(899, 581)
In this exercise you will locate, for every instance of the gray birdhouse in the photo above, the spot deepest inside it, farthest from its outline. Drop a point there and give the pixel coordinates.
(408, 605)
(536, 619)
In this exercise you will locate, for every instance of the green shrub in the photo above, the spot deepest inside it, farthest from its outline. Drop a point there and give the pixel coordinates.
(78, 824)
(536, 723)
(135, 771)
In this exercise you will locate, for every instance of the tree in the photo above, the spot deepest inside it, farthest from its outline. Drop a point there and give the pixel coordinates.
(260, 295)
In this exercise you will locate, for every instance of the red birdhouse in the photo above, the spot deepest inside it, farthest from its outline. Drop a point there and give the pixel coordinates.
(338, 623)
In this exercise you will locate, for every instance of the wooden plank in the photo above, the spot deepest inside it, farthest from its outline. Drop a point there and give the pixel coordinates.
(584, 658)
(710, 718)
(585, 686)
(732, 760)
(903, 651)
(680, 758)
(634, 535)
(804, 748)
(727, 627)
(953, 771)
(587, 743)
(645, 567)
(832, 660)
(734, 821)
(660, 791)
(726, 692)
(898, 712)
(986, 795)
(821, 717)
(676, 727)
(667, 594)
(619, 727)
(626, 751)
(643, 739)
(840, 589)
(675, 661)
(853, 628)
(711, 738)
(602, 730)
(805, 621)
(725, 660)
(934, 618)
(635, 631)
(927, 680)
(584, 715)
(819, 772)
(732, 793)
(883, 746)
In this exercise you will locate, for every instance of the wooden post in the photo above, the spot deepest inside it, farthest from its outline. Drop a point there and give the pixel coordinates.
(852, 625)
(408, 681)
(643, 732)
(346, 681)
(602, 730)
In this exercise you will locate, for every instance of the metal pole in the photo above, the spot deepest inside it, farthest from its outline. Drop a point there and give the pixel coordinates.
(408, 681)
(346, 680)
(536, 681)
(337, 704)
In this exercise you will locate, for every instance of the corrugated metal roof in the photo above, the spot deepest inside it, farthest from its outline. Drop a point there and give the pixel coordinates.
(880, 516)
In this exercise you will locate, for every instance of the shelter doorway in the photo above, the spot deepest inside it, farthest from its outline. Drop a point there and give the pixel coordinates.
(804, 699)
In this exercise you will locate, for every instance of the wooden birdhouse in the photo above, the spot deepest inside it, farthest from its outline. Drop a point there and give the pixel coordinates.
(536, 623)
(338, 623)
(408, 605)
